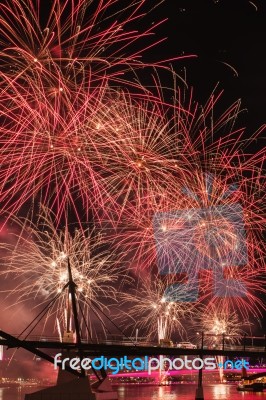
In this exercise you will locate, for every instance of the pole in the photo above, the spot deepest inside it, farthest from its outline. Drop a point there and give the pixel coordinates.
(199, 390)
(244, 342)
(68, 314)
(137, 332)
(72, 291)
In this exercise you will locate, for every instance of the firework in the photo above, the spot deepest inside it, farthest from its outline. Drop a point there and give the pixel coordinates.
(208, 220)
(37, 260)
(216, 237)
(55, 94)
(219, 327)
(216, 323)
(69, 40)
(155, 312)
(95, 151)
(140, 155)
(53, 153)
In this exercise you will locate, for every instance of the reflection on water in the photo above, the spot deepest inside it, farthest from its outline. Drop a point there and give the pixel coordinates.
(186, 392)
(175, 392)
(221, 391)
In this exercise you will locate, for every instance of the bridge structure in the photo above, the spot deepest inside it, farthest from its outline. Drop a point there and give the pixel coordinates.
(120, 348)
(72, 382)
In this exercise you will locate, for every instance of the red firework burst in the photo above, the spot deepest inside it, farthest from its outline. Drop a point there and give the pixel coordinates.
(210, 215)
(66, 136)
(74, 37)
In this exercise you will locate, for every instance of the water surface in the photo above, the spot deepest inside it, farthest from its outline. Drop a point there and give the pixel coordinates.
(174, 392)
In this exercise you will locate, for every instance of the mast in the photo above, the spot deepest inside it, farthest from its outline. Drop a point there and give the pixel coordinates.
(72, 294)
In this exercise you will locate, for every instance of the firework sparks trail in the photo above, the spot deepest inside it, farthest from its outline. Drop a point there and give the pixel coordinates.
(220, 238)
(38, 262)
(220, 326)
(70, 38)
(211, 238)
(217, 321)
(55, 91)
(214, 204)
(141, 156)
(154, 311)
(101, 152)
(53, 152)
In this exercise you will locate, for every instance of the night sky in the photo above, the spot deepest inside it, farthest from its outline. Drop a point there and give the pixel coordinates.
(219, 32)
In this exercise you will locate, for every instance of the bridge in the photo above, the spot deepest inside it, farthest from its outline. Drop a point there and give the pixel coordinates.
(144, 348)
(82, 347)
(122, 348)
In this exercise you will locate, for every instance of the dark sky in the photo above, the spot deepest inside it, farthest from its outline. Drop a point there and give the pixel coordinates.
(219, 32)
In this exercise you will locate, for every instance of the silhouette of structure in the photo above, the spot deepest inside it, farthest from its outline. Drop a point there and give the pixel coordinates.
(71, 384)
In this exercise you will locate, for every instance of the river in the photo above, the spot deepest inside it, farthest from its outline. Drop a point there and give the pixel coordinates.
(174, 392)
